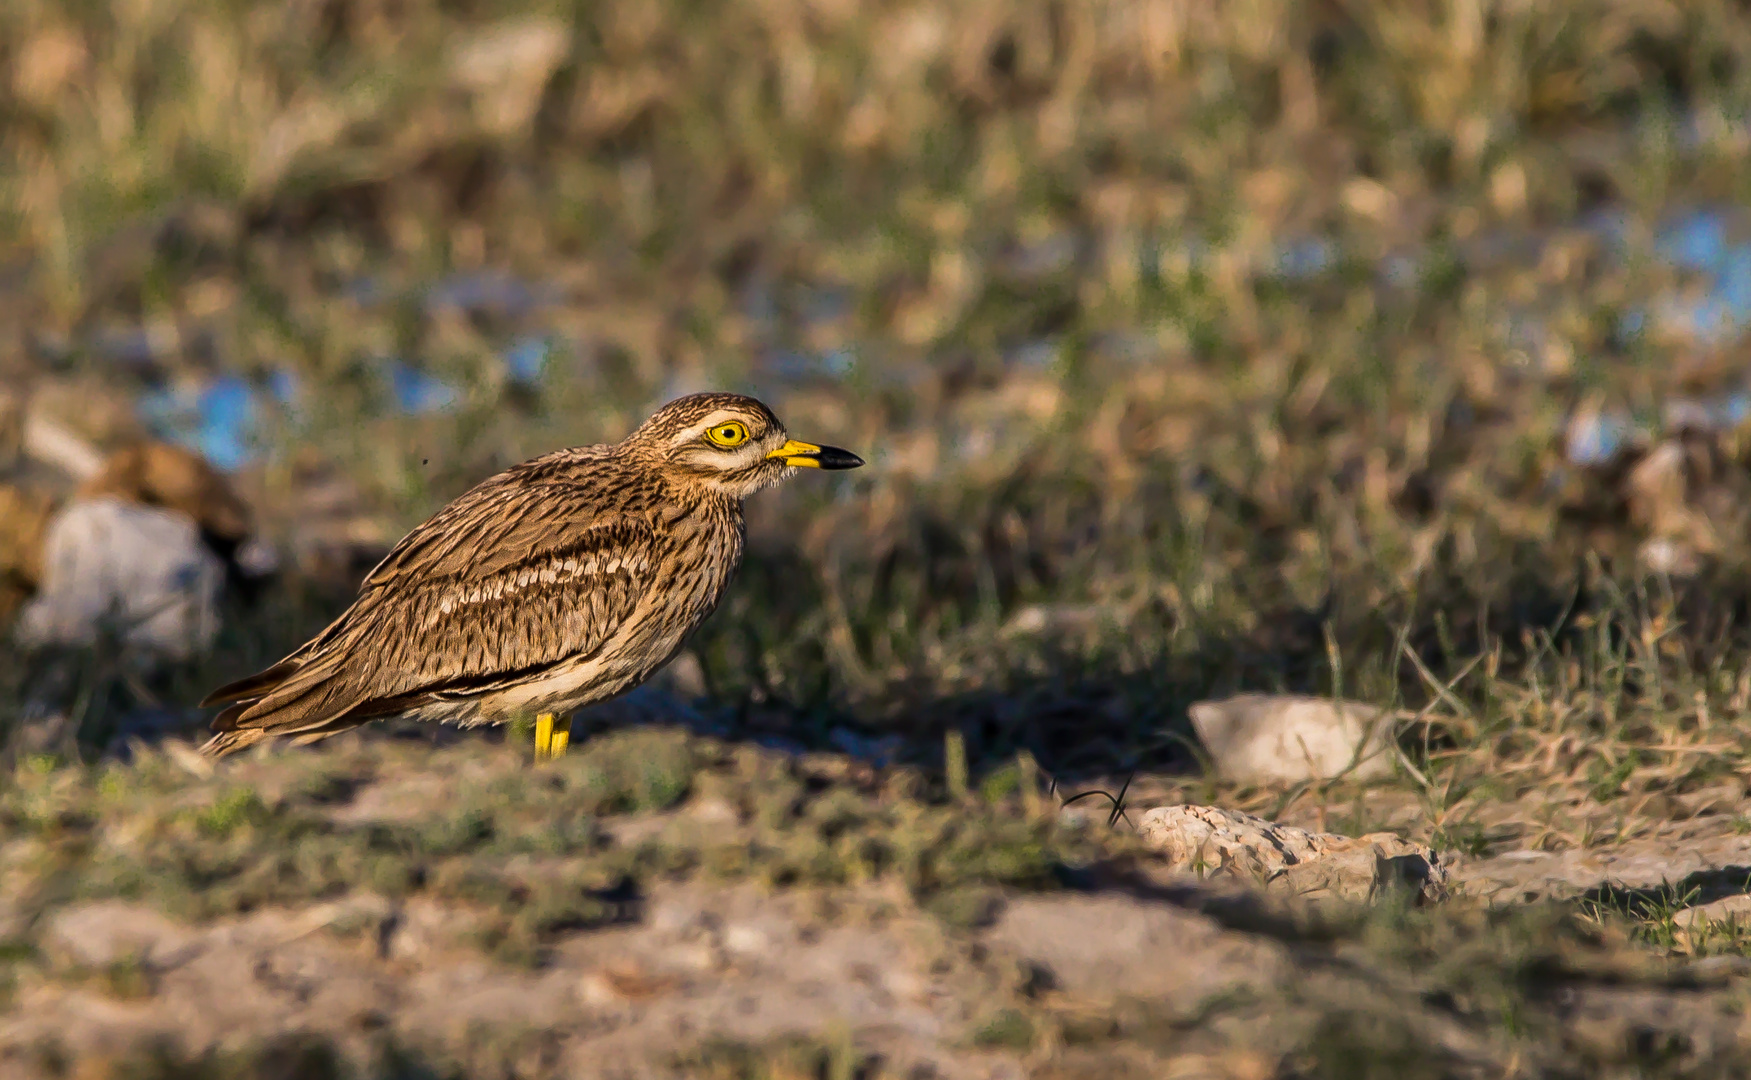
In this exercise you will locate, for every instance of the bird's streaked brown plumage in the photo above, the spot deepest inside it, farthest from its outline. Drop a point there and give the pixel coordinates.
(560, 582)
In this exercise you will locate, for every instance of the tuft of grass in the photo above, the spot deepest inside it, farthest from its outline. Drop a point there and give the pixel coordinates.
(782, 1059)
(235, 809)
(1009, 1029)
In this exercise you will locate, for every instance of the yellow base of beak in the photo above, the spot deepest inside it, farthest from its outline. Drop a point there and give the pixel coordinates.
(802, 455)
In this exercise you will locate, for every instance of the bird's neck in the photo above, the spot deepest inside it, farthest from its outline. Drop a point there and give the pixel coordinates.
(700, 503)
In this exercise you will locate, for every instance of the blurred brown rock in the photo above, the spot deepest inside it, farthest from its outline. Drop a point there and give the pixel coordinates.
(24, 518)
(11, 428)
(46, 63)
(159, 474)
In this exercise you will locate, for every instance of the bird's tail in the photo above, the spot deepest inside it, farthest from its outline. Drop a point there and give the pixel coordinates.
(229, 742)
(304, 700)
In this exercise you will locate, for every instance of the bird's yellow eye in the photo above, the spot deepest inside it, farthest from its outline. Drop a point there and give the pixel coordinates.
(728, 435)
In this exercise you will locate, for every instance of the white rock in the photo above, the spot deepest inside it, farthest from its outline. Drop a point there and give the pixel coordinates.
(1266, 737)
(1736, 908)
(1208, 840)
(142, 570)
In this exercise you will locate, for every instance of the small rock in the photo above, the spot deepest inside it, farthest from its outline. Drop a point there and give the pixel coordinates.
(257, 558)
(1737, 908)
(46, 63)
(595, 989)
(1595, 437)
(422, 927)
(1265, 737)
(1310, 865)
(110, 931)
(145, 569)
(1664, 555)
(745, 939)
(697, 956)
(1056, 619)
(712, 810)
(1658, 491)
(1075, 817)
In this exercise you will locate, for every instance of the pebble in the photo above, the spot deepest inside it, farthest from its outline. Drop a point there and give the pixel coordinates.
(1284, 738)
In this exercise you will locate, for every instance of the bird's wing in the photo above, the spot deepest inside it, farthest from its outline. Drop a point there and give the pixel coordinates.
(503, 583)
(488, 528)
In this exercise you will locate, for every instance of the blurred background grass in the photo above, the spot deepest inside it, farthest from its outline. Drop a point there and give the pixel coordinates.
(1336, 347)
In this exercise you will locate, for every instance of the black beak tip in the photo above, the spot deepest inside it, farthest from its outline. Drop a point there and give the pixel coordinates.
(831, 457)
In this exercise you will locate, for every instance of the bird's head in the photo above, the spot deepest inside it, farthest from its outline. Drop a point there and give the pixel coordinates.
(730, 443)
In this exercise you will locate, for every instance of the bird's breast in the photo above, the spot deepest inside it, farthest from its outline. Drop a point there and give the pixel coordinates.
(705, 555)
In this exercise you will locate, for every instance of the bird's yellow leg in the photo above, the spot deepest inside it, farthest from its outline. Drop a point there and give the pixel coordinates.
(562, 736)
(544, 736)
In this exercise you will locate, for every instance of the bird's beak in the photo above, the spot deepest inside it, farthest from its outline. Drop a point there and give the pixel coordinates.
(802, 455)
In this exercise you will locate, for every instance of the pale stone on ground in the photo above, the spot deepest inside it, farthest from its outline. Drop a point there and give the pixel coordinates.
(142, 569)
(107, 932)
(1735, 908)
(1529, 876)
(1311, 865)
(1282, 738)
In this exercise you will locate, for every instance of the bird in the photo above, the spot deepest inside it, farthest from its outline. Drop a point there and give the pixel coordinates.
(558, 583)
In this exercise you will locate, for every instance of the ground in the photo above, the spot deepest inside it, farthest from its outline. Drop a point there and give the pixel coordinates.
(664, 904)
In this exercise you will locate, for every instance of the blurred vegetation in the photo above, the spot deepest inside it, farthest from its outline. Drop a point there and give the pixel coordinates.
(1193, 348)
